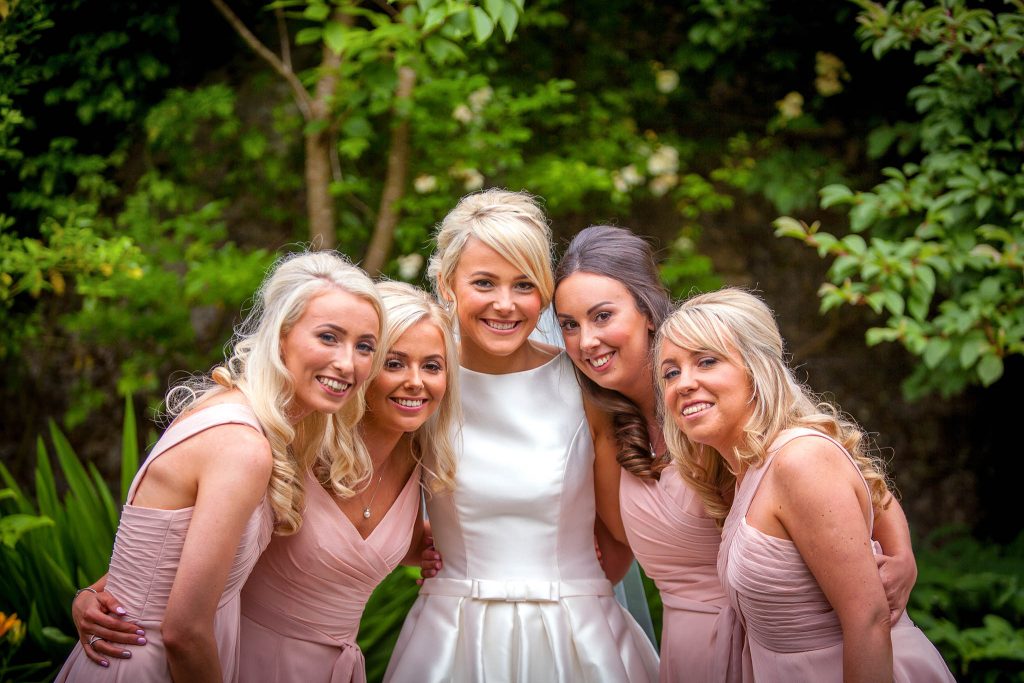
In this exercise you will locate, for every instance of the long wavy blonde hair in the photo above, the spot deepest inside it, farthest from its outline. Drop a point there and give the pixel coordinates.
(327, 444)
(739, 326)
(432, 443)
(510, 223)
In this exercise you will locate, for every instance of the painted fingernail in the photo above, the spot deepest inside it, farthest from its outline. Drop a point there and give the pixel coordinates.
(141, 641)
(140, 632)
(121, 610)
(104, 663)
(126, 654)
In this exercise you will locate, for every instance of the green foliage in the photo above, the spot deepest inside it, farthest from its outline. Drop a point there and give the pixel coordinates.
(937, 247)
(52, 545)
(969, 600)
(382, 619)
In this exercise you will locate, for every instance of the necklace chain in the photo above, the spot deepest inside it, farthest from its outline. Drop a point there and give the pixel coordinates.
(366, 508)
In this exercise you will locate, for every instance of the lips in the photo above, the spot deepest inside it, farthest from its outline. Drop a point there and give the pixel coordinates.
(692, 409)
(409, 403)
(600, 363)
(333, 386)
(501, 325)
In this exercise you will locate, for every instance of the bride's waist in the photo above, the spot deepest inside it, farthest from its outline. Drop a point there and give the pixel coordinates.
(517, 590)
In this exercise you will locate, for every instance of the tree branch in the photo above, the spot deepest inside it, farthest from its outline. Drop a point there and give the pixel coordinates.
(302, 98)
(282, 35)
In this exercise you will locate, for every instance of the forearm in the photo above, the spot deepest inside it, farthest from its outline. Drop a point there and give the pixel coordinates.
(192, 657)
(893, 532)
(867, 652)
(615, 556)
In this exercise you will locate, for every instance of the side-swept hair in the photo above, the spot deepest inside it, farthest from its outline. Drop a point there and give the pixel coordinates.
(511, 223)
(432, 444)
(619, 254)
(327, 444)
(739, 325)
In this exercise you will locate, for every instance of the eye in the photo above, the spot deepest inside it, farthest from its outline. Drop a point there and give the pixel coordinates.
(568, 325)
(707, 362)
(328, 337)
(603, 316)
(525, 286)
(393, 364)
(482, 283)
(366, 347)
(433, 366)
(670, 373)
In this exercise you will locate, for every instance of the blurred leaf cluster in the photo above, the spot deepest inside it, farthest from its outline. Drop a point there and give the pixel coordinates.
(937, 247)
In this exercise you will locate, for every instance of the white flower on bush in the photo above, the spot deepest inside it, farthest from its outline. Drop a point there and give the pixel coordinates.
(790, 106)
(425, 183)
(409, 266)
(462, 114)
(663, 183)
(664, 160)
(472, 179)
(626, 177)
(478, 99)
(666, 80)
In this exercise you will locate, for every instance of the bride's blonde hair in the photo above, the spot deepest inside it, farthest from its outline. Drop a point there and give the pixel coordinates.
(328, 444)
(739, 326)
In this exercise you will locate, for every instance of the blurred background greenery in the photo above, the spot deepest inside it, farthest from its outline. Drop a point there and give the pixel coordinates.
(860, 164)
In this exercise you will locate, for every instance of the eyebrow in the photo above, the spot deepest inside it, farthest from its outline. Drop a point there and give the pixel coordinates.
(598, 305)
(484, 273)
(402, 354)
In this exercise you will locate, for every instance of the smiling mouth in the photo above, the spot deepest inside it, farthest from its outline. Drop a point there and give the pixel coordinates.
(410, 402)
(502, 325)
(696, 408)
(600, 361)
(333, 385)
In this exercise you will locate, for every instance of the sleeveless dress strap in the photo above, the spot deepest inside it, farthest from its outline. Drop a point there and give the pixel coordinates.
(788, 435)
(199, 421)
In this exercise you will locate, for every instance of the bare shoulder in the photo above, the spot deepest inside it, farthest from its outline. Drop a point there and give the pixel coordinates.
(599, 419)
(810, 463)
(547, 350)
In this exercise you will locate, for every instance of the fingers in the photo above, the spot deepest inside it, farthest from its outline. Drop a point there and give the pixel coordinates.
(110, 626)
(137, 636)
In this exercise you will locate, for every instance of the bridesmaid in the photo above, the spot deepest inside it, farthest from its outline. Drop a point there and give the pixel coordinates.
(302, 605)
(202, 507)
(609, 301)
(797, 557)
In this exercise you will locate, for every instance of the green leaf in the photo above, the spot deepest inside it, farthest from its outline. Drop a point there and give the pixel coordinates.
(990, 369)
(877, 335)
(789, 227)
(316, 11)
(425, 5)
(334, 36)
(855, 243)
(936, 349)
(442, 50)
(972, 349)
(13, 527)
(835, 194)
(129, 448)
(494, 8)
(308, 35)
(509, 20)
(483, 25)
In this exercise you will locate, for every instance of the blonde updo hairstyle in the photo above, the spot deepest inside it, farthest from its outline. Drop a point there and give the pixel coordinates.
(511, 223)
(327, 444)
(740, 327)
(432, 447)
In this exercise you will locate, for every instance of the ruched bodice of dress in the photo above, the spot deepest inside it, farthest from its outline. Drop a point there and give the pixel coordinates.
(521, 596)
(677, 544)
(303, 602)
(144, 563)
(792, 631)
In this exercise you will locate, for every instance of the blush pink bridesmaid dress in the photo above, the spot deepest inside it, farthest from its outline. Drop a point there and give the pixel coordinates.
(793, 634)
(147, 550)
(677, 544)
(302, 605)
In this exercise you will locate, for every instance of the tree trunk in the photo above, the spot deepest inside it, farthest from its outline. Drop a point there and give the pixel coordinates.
(394, 181)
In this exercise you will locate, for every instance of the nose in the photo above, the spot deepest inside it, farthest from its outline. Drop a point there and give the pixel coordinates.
(414, 380)
(686, 382)
(344, 361)
(588, 338)
(503, 301)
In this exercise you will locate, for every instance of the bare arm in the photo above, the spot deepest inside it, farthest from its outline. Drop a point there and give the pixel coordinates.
(234, 465)
(615, 556)
(897, 565)
(607, 472)
(816, 500)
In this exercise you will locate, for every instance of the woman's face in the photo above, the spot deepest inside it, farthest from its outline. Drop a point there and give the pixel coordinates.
(606, 336)
(497, 304)
(414, 379)
(707, 395)
(329, 351)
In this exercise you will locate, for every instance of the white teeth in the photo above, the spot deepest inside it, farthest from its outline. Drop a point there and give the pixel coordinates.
(332, 384)
(410, 402)
(500, 325)
(602, 361)
(696, 408)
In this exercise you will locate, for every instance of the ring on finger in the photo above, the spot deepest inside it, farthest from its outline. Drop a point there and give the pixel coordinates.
(93, 638)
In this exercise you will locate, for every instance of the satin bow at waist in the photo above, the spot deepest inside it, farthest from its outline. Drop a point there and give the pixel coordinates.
(349, 666)
(516, 591)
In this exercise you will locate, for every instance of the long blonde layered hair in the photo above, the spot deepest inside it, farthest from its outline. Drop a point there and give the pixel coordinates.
(510, 223)
(327, 444)
(432, 443)
(739, 326)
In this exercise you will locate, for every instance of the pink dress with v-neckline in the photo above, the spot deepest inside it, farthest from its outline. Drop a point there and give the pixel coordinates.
(303, 602)
(677, 544)
(793, 634)
(147, 551)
